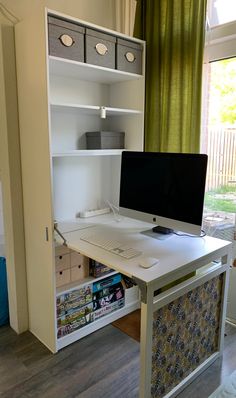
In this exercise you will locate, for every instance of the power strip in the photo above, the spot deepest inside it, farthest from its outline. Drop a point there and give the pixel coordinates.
(94, 212)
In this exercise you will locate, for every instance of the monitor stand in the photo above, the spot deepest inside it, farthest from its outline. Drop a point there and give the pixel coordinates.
(158, 232)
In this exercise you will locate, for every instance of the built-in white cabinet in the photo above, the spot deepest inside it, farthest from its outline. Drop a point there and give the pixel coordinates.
(60, 100)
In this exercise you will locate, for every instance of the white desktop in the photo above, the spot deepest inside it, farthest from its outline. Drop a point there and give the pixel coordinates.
(174, 254)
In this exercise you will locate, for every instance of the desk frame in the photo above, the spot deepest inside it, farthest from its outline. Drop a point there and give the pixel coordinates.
(151, 303)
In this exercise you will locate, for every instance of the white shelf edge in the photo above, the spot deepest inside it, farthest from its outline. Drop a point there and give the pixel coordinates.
(80, 283)
(95, 109)
(88, 152)
(99, 323)
(123, 111)
(78, 107)
(83, 71)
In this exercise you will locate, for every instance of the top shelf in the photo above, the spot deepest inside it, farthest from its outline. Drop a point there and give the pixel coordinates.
(83, 71)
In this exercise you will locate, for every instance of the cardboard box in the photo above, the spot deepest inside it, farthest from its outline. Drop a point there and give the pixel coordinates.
(62, 262)
(129, 56)
(66, 39)
(108, 309)
(84, 292)
(74, 320)
(79, 266)
(62, 277)
(100, 48)
(105, 140)
(106, 282)
(97, 269)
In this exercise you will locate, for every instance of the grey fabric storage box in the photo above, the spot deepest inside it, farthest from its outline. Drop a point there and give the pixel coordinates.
(66, 39)
(129, 56)
(105, 140)
(100, 48)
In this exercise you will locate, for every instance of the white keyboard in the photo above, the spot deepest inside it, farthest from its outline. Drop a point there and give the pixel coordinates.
(112, 246)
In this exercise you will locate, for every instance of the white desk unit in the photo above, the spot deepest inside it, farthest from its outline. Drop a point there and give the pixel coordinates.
(61, 97)
(182, 328)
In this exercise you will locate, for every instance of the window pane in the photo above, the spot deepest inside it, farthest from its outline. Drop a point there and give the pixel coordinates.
(219, 142)
(221, 11)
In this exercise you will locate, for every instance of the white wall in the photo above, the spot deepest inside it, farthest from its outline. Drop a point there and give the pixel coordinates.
(100, 12)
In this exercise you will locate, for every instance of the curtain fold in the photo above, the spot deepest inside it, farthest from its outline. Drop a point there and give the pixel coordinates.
(174, 31)
(124, 16)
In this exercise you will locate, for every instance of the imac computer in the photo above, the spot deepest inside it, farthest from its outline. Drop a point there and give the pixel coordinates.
(166, 189)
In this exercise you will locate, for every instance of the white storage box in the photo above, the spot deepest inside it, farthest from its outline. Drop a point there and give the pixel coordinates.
(131, 295)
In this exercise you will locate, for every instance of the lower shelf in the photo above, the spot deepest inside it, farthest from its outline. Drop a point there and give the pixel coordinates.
(92, 327)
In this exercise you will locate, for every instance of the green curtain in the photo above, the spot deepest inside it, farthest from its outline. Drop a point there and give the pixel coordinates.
(174, 33)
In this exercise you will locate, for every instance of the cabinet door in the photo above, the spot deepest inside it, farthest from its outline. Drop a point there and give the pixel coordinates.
(32, 79)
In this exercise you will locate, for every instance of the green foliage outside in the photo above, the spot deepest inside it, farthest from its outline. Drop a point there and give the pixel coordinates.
(222, 199)
(222, 106)
(222, 111)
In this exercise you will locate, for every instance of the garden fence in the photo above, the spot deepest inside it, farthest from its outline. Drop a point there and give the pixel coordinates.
(221, 149)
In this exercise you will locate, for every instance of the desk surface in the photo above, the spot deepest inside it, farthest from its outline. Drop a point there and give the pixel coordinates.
(177, 255)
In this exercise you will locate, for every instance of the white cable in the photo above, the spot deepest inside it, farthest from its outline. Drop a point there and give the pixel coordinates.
(115, 211)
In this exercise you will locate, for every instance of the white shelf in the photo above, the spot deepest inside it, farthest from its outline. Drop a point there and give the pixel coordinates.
(83, 71)
(89, 152)
(94, 109)
(99, 323)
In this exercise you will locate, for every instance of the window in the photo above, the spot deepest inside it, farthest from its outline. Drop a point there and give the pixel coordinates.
(221, 12)
(218, 137)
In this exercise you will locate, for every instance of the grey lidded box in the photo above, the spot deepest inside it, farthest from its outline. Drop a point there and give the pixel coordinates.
(100, 48)
(129, 56)
(105, 140)
(66, 39)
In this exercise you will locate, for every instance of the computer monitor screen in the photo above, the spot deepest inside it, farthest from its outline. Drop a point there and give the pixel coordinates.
(166, 189)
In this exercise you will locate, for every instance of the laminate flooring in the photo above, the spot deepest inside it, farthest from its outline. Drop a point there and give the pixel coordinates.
(104, 364)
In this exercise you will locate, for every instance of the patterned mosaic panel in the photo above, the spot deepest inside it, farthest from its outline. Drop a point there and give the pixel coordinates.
(185, 334)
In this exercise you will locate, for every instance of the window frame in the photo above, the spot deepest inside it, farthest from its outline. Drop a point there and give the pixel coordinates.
(220, 42)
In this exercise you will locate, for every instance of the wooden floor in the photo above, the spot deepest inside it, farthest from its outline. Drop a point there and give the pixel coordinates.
(102, 365)
(130, 324)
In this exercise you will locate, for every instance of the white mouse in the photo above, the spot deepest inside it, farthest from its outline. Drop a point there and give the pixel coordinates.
(147, 262)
